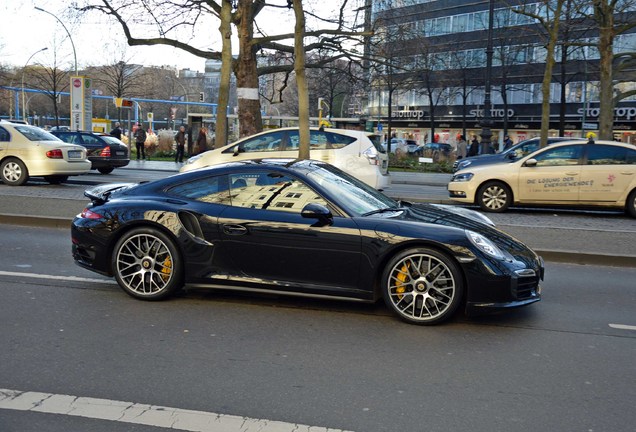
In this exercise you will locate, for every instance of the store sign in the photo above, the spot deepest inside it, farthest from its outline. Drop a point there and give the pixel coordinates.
(408, 114)
(620, 112)
(494, 112)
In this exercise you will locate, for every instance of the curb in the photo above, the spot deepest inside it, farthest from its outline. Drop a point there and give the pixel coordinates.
(556, 256)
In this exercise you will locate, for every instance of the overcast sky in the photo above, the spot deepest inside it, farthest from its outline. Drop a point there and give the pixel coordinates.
(25, 30)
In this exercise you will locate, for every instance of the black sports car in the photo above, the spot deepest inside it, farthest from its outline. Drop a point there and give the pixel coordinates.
(306, 228)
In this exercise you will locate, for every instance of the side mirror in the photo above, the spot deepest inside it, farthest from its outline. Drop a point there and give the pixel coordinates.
(512, 155)
(317, 211)
(530, 162)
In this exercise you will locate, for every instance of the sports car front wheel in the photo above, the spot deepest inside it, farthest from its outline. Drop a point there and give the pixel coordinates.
(146, 264)
(422, 286)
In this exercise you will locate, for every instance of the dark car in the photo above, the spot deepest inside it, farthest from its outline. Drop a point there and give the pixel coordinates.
(514, 153)
(301, 227)
(105, 152)
(436, 151)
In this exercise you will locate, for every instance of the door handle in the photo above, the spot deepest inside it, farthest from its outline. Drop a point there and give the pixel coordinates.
(572, 174)
(234, 229)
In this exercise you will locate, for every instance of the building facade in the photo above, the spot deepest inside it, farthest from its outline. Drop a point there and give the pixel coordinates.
(434, 61)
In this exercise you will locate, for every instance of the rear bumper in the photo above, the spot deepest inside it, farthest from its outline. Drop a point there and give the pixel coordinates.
(58, 167)
(108, 163)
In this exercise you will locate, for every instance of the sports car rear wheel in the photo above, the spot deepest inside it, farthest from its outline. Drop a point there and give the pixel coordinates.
(423, 286)
(146, 264)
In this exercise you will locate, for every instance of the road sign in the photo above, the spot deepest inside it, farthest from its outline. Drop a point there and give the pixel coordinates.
(380, 127)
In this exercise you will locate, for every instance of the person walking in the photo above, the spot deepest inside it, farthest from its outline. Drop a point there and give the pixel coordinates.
(180, 138)
(507, 142)
(140, 142)
(473, 150)
(462, 146)
(202, 140)
(116, 132)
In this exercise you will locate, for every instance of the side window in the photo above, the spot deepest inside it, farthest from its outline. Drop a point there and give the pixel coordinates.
(321, 140)
(271, 191)
(71, 138)
(213, 190)
(526, 149)
(293, 141)
(560, 156)
(630, 158)
(606, 155)
(4, 135)
(262, 143)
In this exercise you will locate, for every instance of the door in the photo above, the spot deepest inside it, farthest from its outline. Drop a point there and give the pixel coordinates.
(5, 138)
(554, 178)
(269, 240)
(607, 174)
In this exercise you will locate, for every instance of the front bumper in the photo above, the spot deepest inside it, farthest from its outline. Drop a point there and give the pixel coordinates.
(462, 191)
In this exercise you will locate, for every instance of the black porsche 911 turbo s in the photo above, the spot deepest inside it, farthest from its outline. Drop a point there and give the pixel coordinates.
(305, 228)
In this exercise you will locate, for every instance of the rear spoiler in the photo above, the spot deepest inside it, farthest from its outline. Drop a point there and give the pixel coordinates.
(100, 194)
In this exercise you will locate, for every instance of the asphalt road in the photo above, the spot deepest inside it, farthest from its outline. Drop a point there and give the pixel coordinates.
(564, 364)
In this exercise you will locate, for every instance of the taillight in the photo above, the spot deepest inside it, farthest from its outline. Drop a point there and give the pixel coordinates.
(89, 214)
(105, 152)
(55, 154)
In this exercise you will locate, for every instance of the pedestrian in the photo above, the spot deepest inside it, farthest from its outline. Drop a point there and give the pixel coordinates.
(473, 150)
(116, 132)
(202, 140)
(462, 146)
(180, 138)
(507, 142)
(140, 142)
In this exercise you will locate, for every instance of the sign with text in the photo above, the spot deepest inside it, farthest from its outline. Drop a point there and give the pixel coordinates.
(81, 103)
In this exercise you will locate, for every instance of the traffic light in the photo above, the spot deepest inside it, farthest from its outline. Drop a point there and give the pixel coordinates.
(201, 97)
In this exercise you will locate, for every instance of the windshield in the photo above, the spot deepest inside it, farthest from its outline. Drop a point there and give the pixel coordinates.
(36, 134)
(356, 197)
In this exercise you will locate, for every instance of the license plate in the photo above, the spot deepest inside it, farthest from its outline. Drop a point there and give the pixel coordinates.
(120, 153)
(75, 154)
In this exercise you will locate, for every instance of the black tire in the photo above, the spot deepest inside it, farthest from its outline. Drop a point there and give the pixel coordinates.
(147, 264)
(422, 286)
(107, 170)
(56, 179)
(494, 196)
(630, 205)
(13, 172)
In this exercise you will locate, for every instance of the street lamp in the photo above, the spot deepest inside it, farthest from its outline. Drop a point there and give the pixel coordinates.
(24, 114)
(67, 32)
(486, 133)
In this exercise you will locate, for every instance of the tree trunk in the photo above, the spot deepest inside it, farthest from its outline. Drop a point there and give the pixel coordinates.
(547, 76)
(605, 20)
(249, 107)
(301, 81)
(562, 102)
(220, 134)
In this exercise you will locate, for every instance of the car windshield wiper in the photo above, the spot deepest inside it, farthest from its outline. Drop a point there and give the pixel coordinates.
(383, 210)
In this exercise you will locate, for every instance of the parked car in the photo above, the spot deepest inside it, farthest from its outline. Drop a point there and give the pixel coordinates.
(105, 152)
(436, 151)
(399, 146)
(301, 227)
(512, 154)
(28, 151)
(572, 173)
(353, 151)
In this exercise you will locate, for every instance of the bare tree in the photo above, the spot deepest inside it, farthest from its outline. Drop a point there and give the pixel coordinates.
(52, 80)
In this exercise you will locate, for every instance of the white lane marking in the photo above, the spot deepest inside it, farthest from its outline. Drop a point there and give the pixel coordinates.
(151, 415)
(623, 327)
(64, 278)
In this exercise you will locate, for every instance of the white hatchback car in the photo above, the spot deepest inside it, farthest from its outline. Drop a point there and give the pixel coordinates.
(355, 152)
(575, 173)
(28, 151)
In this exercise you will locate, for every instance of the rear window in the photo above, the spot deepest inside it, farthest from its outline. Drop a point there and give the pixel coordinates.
(377, 142)
(35, 134)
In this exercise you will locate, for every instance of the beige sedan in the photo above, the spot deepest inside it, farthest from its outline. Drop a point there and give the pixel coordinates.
(28, 151)
(601, 173)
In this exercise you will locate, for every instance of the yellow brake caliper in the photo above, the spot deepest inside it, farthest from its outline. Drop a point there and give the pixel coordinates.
(167, 269)
(400, 286)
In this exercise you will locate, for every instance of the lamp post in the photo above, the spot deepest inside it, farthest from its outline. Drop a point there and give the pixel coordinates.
(67, 32)
(24, 113)
(486, 133)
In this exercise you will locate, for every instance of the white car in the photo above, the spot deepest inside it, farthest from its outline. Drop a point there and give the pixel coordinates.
(28, 151)
(573, 173)
(400, 146)
(355, 152)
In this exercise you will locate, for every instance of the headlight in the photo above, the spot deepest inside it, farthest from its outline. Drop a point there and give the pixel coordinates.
(464, 177)
(484, 244)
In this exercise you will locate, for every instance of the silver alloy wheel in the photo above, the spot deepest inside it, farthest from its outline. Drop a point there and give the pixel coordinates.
(494, 197)
(12, 171)
(421, 287)
(145, 265)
